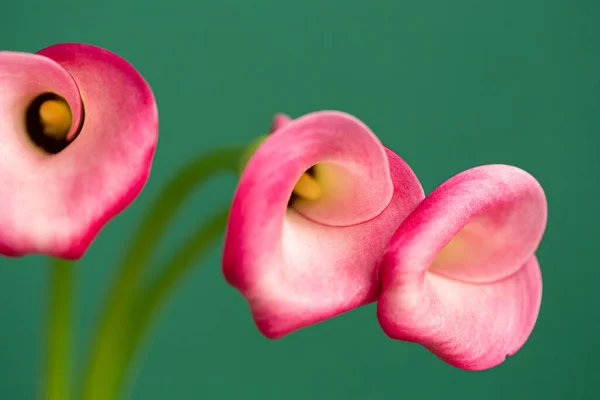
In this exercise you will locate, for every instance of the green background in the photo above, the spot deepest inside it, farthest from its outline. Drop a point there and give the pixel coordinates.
(446, 84)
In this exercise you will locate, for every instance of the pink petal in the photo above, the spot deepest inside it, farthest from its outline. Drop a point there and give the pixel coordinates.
(477, 301)
(20, 83)
(279, 121)
(56, 204)
(295, 271)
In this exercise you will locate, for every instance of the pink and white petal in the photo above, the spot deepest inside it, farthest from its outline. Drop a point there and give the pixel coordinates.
(296, 271)
(24, 77)
(60, 202)
(469, 326)
(265, 187)
(323, 271)
(461, 250)
(479, 226)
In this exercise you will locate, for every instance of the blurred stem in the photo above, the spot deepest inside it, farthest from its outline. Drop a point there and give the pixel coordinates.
(149, 302)
(58, 367)
(108, 352)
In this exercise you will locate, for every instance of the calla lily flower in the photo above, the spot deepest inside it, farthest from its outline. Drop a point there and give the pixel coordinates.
(78, 130)
(460, 276)
(313, 213)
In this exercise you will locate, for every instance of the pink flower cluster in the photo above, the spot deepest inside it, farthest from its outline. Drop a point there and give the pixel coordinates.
(325, 217)
(454, 271)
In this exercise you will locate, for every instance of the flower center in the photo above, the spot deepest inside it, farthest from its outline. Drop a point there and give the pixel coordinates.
(48, 121)
(307, 187)
(55, 118)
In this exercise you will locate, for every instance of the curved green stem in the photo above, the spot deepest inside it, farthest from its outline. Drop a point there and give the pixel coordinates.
(108, 350)
(58, 368)
(148, 303)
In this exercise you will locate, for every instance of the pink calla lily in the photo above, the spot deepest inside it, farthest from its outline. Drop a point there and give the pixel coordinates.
(78, 131)
(299, 260)
(460, 276)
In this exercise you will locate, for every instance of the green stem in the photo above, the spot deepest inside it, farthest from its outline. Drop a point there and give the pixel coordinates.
(58, 367)
(101, 379)
(149, 302)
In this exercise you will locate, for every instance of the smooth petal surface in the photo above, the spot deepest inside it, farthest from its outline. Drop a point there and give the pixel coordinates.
(460, 276)
(300, 266)
(56, 204)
